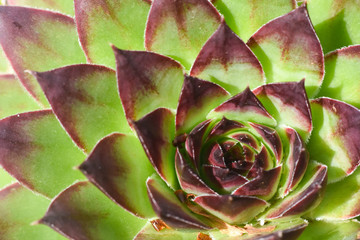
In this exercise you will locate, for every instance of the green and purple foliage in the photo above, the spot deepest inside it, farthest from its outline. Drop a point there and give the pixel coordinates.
(179, 119)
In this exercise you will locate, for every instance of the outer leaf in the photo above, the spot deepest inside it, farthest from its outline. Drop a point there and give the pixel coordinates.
(120, 22)
(149, 233)
(243, 107)
(226, 60)
(246, 16)
(156, 132)
(289, 50)
(169, 208)
(38, 40)
(187, 24)
(342, 75)
(119, 167)
(336, 22)
(19, 207)
(341, 200)
(197, 99)
(335, 140)
(64, 6)
(305, 198)
(85, 100)
(345, 230)
(36, 151)
(288, 104)
(13, 97)
(82, 212)
(147, 81)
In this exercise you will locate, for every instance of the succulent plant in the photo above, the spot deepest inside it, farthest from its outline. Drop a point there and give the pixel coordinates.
(179, 119)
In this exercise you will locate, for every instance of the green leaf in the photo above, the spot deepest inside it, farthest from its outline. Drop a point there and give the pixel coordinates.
(19, 207)
(341, 200)
(36, 150)
(226, 60)
(342, 78)
(111, 167)
(5, 178)
(64, 6)
(5, 66)
(84, 212)
(344, 230)
(38, 40)
(289, 50)
(101, 22)
(147, 81)
(149, 233)
(187, 24)
(86, 101)
(246, 16)
(335, 22)
(13, 97)
(335, 140)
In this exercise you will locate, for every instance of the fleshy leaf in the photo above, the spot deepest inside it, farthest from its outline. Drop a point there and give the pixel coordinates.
(19, 207)
(120, 22)
(149, 233)
(197, 99)
(38, 40)
(245, 17)
(243, 107)
(85, 100)
(289, 50)
(331, 230)
(304, 198)
(263, 186)
(224, 126)
(169, 208)
(187, 24)
(5, 178)
(111, 167)
(13, 97)
(335, 140)
(231, 208)
(335, 22)
(84, 212)
(295, 164)
(147, 81)
(341, 200)
(35, 149)
(189, 180)
(271, 138)
(156, 132)
(342, 75)
(226, 60)
(64, 6)
(288, 104)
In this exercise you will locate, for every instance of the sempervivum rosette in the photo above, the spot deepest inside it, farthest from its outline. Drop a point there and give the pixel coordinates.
(165, 124)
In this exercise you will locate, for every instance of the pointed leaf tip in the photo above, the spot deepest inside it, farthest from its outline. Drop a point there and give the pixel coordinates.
(226, 60)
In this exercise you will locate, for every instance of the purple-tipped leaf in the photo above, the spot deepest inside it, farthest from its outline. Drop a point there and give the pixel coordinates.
(169, 208)
(85, 100)
(230, 208)
(119, 167)
(243, 107)
(189, 180)
(288, 104)
(30, 39)
(147, 81)
(226, 60)
(289, 50)
(225, 126)
(197, 98)
(156, 132)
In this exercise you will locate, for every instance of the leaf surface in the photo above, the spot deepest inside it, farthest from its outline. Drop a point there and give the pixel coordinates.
(64, 6)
